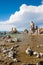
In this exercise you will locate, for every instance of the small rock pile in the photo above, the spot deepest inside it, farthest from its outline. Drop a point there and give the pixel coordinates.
(11, 53)
(10, 40)
(30, 52)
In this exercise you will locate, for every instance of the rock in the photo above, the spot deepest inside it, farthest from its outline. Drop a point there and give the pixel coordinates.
(8, 36)
(10, 41)
(41, 45)
(41, 54)
(14, 30)
(10, 54)
(15, 60)
(15, 40)
(29, 51)
(38, 56)
(32, 27)
(37, 63)
(35, 53)
(25, 31)
(9, 63)
(12, 48)
(5, 51)
(38, 46)
(40, 63)
(16, 46)
(3, 37)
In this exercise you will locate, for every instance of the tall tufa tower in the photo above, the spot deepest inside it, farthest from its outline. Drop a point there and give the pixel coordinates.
(32, 27)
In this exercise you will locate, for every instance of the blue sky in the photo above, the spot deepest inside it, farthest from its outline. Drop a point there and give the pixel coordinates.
(9, 9)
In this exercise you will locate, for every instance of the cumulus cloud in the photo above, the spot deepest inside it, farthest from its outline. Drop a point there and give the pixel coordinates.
(21, 19)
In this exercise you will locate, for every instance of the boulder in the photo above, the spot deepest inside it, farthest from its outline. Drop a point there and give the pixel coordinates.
(35, 53)
(12, 54)
(15, 40)
(38, 56)
(15, 60)
(41, 54)
(29, 51)
(10, 41)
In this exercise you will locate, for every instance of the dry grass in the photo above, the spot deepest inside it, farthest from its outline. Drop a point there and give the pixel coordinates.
(26, 40)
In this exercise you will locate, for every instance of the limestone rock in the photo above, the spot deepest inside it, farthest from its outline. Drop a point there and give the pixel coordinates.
(29, 51)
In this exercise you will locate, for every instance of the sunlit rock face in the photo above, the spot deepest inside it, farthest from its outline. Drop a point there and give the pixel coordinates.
(32, 27)
(14, 30)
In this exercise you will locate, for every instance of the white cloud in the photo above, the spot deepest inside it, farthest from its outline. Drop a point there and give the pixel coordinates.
(22, 18)
(42, 2)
